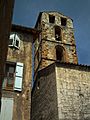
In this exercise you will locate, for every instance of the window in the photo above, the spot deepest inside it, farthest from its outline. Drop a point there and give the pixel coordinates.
(59, 53)
(63, 21)
(14, 41)
(13, 76)
(57, 33)
(11, 41)
(51, 19)
(9, 76)
(17, 43)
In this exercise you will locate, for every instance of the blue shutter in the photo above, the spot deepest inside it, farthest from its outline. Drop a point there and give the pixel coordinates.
(18, 77)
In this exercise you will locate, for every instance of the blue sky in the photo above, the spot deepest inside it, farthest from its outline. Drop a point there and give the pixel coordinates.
(26, 13)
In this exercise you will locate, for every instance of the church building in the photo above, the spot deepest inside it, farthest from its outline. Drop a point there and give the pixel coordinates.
(43, 79)
(62, 87)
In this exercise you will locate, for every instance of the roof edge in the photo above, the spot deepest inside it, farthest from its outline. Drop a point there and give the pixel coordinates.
(24, 28)
(40, 13)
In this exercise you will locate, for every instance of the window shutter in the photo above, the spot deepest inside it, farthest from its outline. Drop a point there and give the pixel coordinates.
(11, 40)
(17, 41)
(18, 77)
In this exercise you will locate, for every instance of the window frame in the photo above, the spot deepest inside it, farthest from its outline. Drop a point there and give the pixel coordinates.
(63, 21)
(6, 85)
(14, 37)
(59, 35)
(13, 78)
(61, 51)
(51, 19)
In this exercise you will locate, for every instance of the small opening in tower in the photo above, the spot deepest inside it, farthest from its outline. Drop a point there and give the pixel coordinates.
(51, 19)
(63, 21)
(59, 53)
(57, 33)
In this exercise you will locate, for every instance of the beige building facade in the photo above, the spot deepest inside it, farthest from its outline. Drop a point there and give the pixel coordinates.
(17, 83)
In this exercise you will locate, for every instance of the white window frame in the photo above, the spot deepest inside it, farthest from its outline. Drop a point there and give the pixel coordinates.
(18, 77)
(15, 38)
(11, 37)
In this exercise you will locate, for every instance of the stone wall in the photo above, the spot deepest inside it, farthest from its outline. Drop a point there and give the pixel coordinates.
(71, 84)
(23, 54)
(44, 96)
(22, 100)
(49, 52)
(67, 36)
(73, 92)
(62, 92)
(48, 43)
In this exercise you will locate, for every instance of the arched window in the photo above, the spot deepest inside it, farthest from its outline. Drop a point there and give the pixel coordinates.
(57, 33)
(59, 53)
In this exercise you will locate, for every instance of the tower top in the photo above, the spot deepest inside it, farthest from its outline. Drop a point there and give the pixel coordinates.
(51, 12)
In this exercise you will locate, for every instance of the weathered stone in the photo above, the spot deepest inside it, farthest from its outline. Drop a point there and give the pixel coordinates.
(62, 93)
(23, 54)
(49, 42)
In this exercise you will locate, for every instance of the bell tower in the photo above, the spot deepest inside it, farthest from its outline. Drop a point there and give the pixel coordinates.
(56, 41)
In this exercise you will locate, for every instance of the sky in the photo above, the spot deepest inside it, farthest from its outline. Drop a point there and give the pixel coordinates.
(26, 13)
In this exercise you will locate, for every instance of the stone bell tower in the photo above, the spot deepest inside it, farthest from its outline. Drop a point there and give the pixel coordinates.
(56, 41)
